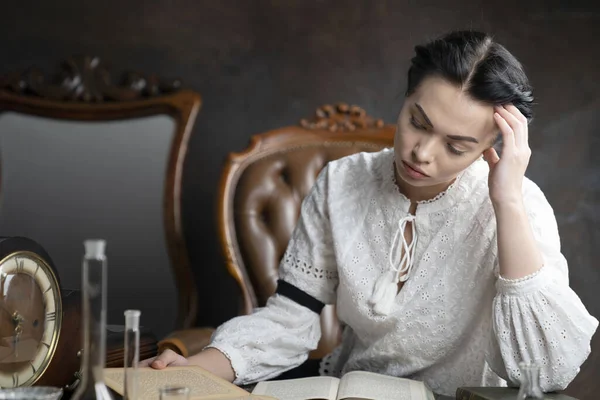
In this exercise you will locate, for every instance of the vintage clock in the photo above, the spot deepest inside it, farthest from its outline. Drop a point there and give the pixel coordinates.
(38, 342)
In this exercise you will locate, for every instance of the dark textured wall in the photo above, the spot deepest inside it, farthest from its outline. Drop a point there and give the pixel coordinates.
(264, 64)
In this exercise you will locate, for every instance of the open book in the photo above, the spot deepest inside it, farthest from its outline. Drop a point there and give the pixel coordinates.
(353, 385)
(202, 384)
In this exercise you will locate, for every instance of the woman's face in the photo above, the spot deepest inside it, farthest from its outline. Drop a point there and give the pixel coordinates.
(440, 132)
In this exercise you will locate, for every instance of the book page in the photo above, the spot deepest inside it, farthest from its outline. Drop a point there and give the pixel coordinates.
(320, 387)
(248, 397)
(368, 385)
(202, 384)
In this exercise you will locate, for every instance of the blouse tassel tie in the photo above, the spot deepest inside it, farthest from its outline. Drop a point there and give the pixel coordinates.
(386, 286)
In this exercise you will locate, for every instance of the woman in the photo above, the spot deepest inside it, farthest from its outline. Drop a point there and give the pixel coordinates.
(443, 267)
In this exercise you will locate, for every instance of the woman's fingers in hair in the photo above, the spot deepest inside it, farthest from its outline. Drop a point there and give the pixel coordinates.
(508, 136)
(515, 111)
(517, 122)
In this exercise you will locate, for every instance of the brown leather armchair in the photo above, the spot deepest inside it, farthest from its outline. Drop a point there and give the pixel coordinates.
(260, 195)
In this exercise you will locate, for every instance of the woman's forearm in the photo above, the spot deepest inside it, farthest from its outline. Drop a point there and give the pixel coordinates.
(518, 253)
(215, 362)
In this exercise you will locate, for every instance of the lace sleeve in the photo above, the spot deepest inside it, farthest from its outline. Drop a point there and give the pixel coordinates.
(539, 318)
(268, 342)
(309, 261)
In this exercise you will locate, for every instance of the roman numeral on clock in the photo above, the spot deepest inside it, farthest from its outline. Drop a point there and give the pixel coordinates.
(20, 264)
(15, 379)
(51, 316)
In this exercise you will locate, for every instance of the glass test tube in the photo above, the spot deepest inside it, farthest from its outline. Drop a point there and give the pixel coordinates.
(132, 354)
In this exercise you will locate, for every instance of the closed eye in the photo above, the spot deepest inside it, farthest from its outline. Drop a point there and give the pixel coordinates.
(420, 126)
(416, 123)
(454, 150)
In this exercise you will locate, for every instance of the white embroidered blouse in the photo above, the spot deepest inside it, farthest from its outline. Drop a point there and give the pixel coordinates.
(455, 322)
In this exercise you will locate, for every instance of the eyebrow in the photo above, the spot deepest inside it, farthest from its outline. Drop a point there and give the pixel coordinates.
(465, 138)
(453, 137)
(423, 114)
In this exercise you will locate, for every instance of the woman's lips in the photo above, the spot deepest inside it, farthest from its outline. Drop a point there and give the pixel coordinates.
(413, 172)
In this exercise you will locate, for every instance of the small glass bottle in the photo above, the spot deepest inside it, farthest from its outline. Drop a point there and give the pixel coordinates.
(91, 385)
(132, 354)
(530, 382)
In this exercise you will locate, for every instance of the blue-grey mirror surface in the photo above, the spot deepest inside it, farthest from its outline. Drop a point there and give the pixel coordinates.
(66, 181)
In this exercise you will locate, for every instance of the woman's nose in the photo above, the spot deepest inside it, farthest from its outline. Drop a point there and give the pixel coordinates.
(423, 152)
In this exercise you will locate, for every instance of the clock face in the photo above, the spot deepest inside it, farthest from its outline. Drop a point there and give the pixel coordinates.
(30, 318)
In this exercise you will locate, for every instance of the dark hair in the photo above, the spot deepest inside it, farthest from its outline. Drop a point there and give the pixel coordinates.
(472, 60)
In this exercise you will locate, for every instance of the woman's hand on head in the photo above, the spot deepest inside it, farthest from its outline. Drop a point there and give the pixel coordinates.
(167, 358)
(507, 173)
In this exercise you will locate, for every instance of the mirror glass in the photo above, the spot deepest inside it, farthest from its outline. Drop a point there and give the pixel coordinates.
(65, 181)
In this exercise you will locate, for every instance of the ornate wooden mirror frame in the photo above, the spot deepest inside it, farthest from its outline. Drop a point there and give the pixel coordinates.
(83, 91)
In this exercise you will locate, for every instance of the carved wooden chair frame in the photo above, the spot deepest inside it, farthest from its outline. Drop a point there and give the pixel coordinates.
(82, 90)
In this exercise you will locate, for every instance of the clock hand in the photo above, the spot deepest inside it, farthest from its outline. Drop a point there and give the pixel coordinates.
(18, 319)
(15, 316)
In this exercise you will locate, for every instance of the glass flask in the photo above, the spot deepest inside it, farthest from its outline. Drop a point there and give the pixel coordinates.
(93, 285)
